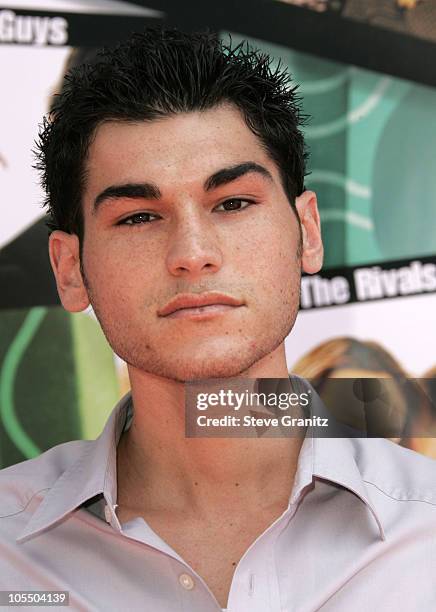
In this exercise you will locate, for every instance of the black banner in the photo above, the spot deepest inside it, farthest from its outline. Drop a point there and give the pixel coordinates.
(367, 283)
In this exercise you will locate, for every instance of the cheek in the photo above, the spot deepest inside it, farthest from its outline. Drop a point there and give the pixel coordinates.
(112, 275)
(271, 258)
(116, 260)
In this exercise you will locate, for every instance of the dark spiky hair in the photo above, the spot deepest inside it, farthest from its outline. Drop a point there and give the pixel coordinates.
(158, 73)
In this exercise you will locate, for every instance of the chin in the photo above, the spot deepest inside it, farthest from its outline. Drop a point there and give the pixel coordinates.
(191, 359)
(185, 368)
(210, 371)
(209, 368)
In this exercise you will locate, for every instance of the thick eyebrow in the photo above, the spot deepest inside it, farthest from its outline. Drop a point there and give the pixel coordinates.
(144, 191)
(150, 191)
(227, 175)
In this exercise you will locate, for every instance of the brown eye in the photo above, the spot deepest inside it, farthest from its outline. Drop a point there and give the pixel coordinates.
(235, 204)
(137, 219)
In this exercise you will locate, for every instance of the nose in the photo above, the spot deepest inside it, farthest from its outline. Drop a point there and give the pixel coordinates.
(193, 248)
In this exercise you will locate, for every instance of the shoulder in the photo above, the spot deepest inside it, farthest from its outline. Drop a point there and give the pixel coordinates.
(396, 472)
(21, 482)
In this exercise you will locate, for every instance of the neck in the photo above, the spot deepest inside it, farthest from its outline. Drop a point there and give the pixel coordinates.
(154, 457)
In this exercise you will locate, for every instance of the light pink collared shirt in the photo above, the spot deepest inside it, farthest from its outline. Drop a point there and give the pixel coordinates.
(359, 534)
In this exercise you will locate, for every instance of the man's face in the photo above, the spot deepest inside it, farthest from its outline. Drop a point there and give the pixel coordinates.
(145, 245)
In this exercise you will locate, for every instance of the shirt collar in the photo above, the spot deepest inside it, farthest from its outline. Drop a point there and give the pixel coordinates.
(331, 458)
(92, 473)
(335, 461)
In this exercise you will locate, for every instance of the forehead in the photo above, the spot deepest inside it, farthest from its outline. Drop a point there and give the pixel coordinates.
(186, 147)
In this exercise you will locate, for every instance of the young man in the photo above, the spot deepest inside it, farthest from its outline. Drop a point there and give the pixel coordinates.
(174, 171)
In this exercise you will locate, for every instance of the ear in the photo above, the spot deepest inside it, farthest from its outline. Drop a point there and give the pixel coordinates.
(312, 250)
(64, 254)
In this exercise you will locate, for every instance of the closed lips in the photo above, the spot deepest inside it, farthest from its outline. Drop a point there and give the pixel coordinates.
(191, 300)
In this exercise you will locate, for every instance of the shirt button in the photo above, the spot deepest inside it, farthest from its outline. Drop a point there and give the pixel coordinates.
(186, 581)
